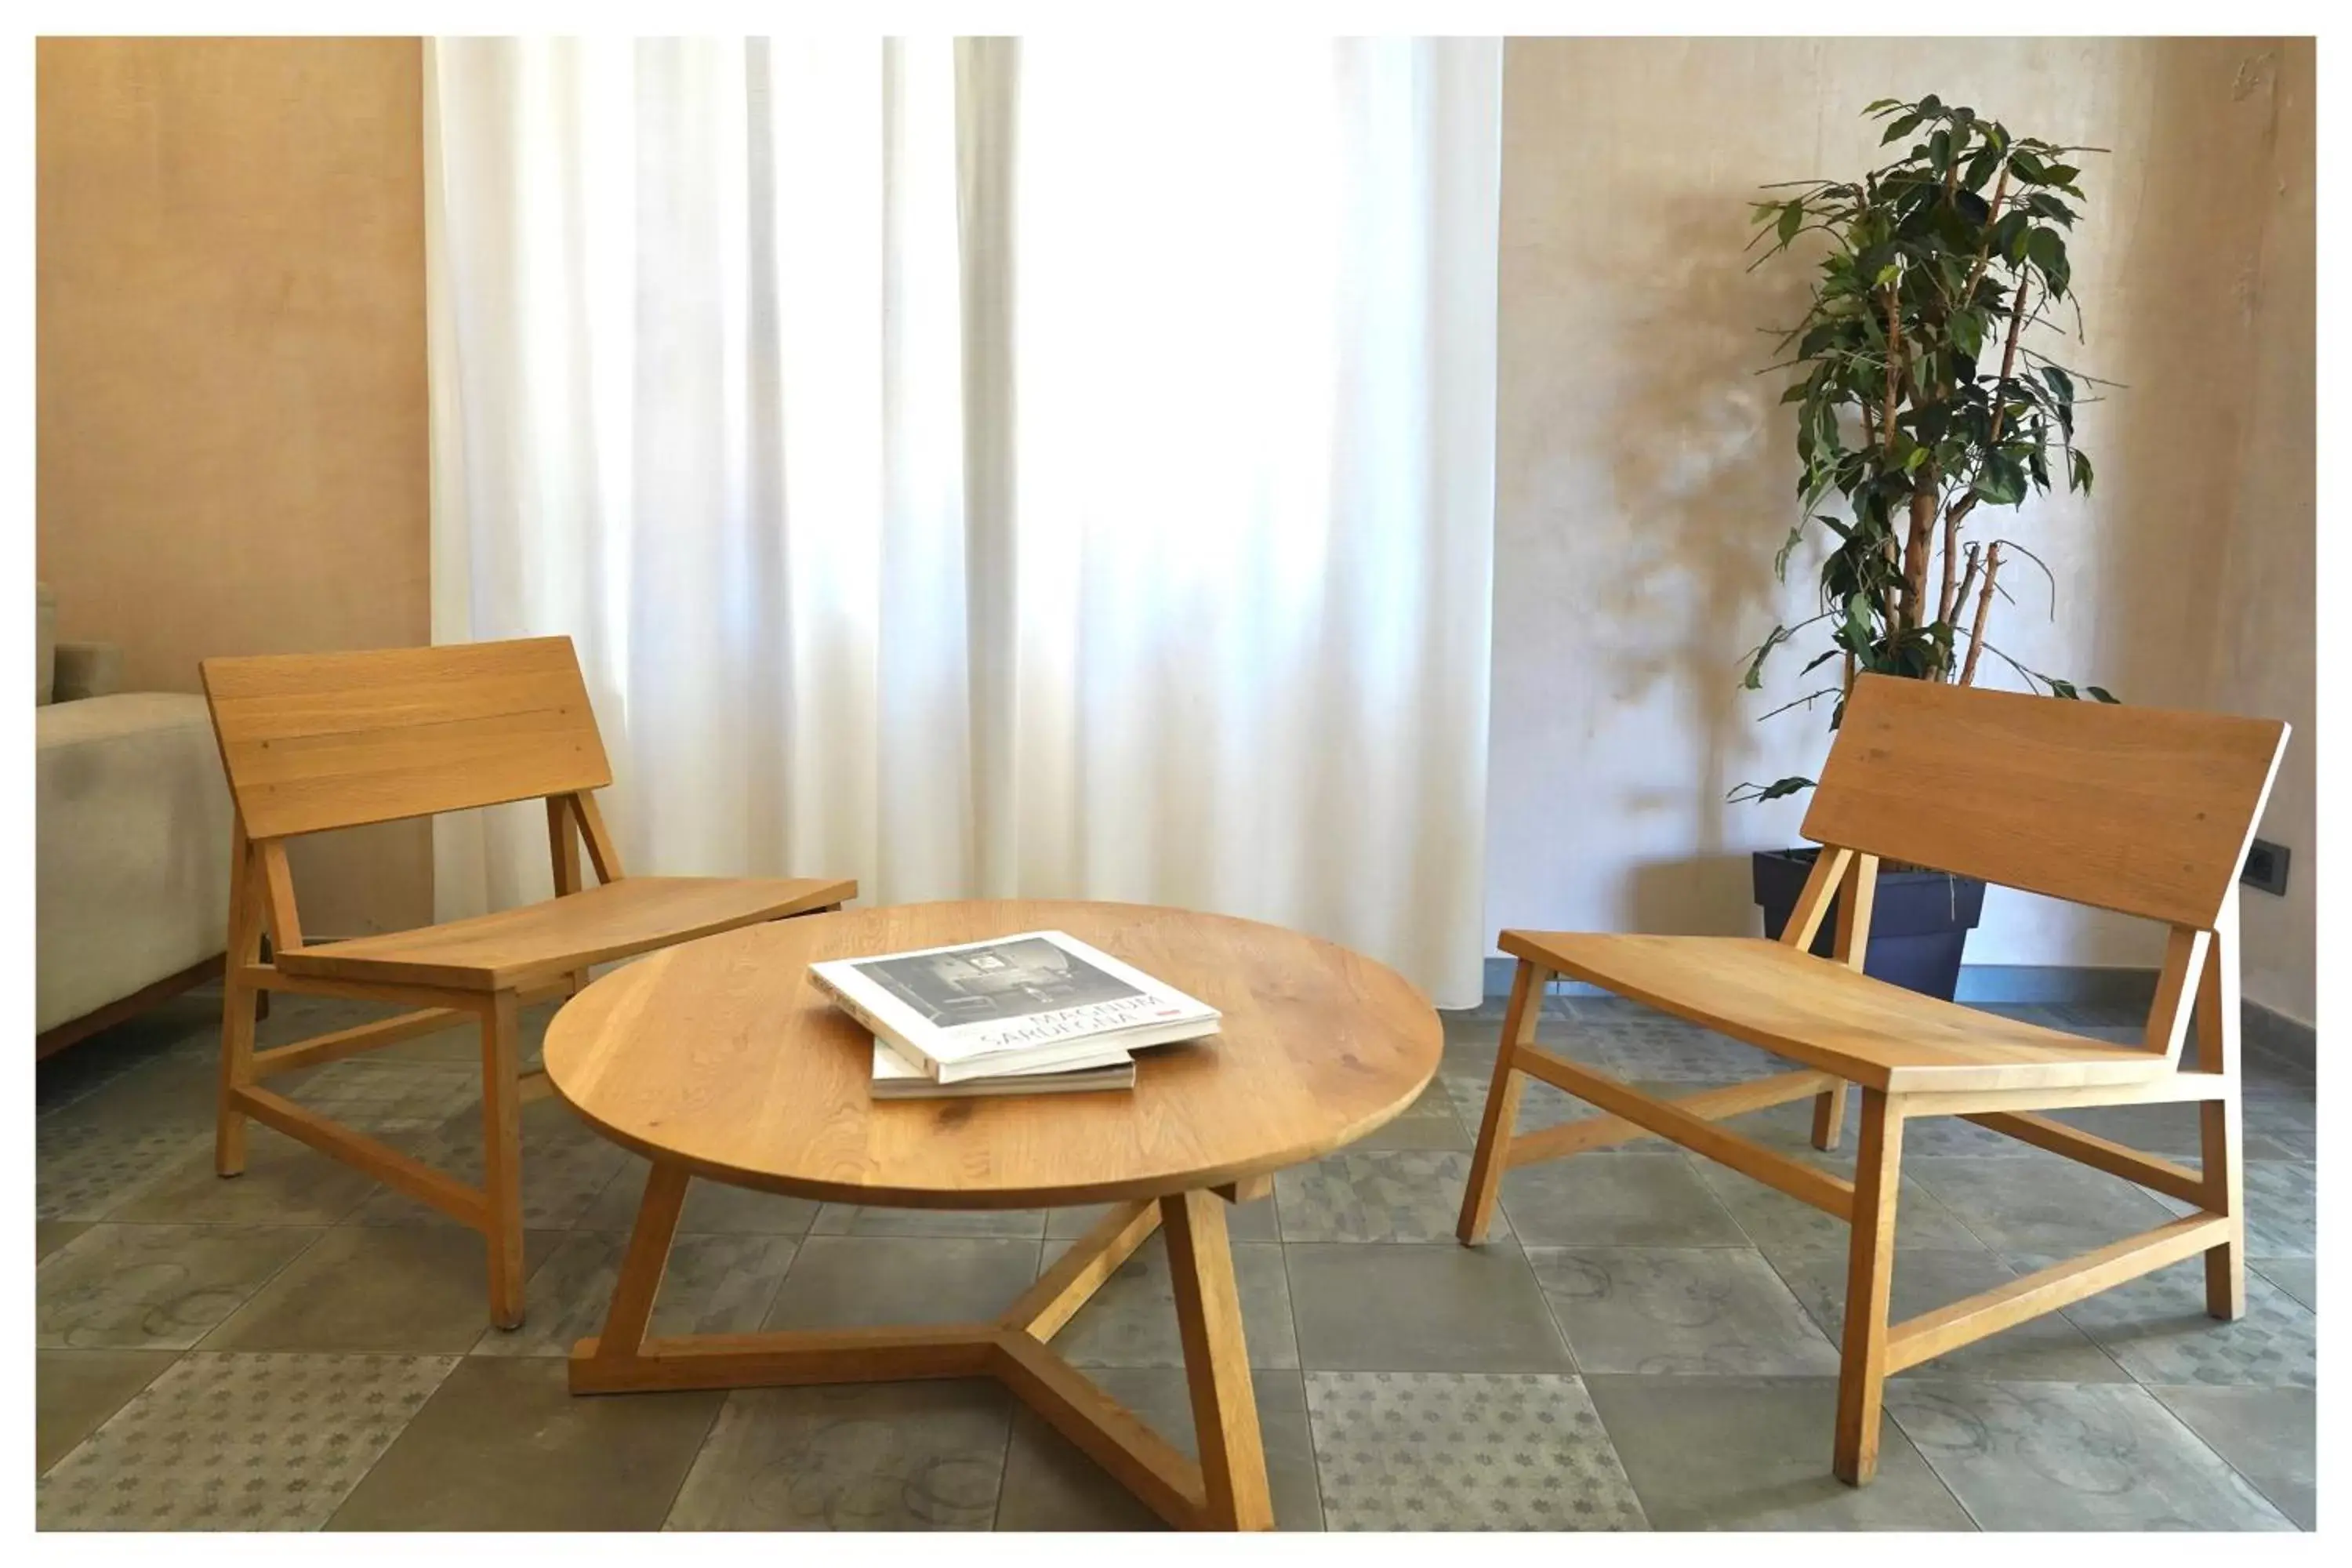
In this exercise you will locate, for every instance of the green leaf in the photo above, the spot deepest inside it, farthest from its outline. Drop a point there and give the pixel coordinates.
(2001, 481)
(1980, 167)
(1939, 150)
(2027, 168)
(2080, 473)
(1772, 791)
(1797, 393)
(1792, 216)
(2104, 695)
(1880, 105)
(1900, 129)
(1968, 332)
(1930, 104)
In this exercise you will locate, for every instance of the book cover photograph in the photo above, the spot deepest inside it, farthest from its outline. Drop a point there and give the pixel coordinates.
(995, 981)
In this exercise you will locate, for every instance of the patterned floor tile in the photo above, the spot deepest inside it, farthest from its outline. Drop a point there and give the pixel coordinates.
(565, 1166)
(238, 1442)
(85, 1170)
(1420, 1308)
(155, 1287)
(1050, 1485)
(1636, 1200)
(1388, 1195)
(2269, 1435)
(505, 1445)
(880, 1456)
(48, 1234)
(2282, 1208)
(1753, 1453)
(2049, 1348)
(380, 1095)
(713, 1284)
(1678, 1310)
(1671, 1051)
(2156, 1326)
(2056, 1456)
(2298, 1277)
(1131, 1321)
(1465, 1451)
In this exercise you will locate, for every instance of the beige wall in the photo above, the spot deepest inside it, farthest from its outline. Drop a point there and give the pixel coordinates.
(1645, 471)
(231, 396)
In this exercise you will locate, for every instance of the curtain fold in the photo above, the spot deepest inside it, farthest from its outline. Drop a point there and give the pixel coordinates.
(1049, 468)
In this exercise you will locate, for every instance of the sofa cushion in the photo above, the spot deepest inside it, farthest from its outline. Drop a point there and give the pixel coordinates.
(131, 829)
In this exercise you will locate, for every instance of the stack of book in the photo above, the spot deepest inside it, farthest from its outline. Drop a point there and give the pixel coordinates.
(1040, 1013)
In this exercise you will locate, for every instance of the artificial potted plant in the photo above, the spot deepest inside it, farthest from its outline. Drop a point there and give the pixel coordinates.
(1923, 403)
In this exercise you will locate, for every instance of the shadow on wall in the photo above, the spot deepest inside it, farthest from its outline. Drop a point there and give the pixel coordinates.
(1696, 895)
(1701, 474)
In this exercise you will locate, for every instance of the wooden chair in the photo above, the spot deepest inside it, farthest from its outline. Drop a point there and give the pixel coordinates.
(315, 742)
(2133, 809)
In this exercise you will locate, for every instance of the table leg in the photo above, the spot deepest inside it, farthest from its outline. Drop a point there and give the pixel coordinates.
(1216, 1363)
(1225, 1490)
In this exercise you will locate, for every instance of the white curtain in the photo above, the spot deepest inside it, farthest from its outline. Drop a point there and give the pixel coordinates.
(987, 468)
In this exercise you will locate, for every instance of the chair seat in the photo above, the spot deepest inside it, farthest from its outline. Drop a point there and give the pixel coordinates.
(536, 943)
(1818, 1012)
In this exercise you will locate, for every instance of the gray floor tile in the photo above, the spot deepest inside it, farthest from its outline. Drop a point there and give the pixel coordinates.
(1752, 1453)
(505, 1445)
(1131, 1321)
(1634, 1200)
(2156, 1326)
(284, 1182)
(2039, 1205)
(1050, 1485)
(2282, 1208)
(881, 1456)
(2298, 1277)
(1420, 1308)
(1252, 1221)
(48, 1234)
(84, 1170)
(1779, 1222)
(1951, 1136)
(852, 1219)
(857, 1281)
(713, 1284)
(711, 1208)
(412, 1289)
(1429, 1123)
(1382, 1194)
(565, 1165)
(2057, 1456)
(2269, 1435)
(155, 1287)
(2047, 1349)
(238, 1442)
(75, 1390)
(1716, 1310)
(1668, 1050)
(1400, 1450)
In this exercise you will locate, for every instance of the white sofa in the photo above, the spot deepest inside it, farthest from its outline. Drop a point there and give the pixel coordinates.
(132, 830)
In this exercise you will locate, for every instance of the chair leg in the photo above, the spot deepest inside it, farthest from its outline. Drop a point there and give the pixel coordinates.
(1870, 1271)
(1502, 1105)
(239, 1004)
(1829, 1116)
(502, 1158)
(2221, 1123)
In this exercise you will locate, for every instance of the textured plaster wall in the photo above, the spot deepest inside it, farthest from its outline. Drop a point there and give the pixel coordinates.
(1644, 471)
(231, 448)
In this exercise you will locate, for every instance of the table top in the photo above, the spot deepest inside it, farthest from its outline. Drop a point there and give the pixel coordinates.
(721, 1055)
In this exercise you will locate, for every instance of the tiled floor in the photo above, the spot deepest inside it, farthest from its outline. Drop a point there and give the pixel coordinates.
(1645, 1342)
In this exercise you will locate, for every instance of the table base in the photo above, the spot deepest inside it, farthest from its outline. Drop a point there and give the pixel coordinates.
(1227, 1490)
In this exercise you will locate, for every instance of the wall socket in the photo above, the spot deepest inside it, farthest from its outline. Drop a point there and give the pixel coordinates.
(2265, 867)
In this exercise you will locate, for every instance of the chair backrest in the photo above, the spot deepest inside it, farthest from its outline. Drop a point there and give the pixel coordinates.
(2142, 810)
(335, 740)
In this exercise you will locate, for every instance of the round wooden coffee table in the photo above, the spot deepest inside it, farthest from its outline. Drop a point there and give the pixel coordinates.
(719, 1059)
